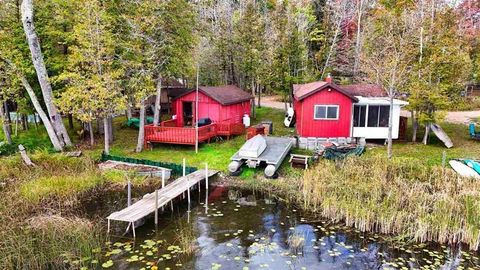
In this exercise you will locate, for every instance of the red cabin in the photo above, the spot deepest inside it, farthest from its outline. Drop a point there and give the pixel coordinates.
(323, 109)
(221, 103)
(225, 106)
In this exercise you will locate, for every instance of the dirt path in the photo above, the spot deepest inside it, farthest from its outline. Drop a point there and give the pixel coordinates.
(272, 102)
(462, 117)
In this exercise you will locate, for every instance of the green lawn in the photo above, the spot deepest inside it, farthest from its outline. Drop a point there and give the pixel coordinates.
(431, 154)
(217, 154)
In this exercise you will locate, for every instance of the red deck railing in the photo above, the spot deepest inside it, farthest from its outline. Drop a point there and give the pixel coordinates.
(226, 128)
(168, 132)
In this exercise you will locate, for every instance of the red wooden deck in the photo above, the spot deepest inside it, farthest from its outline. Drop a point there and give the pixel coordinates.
(168, 132)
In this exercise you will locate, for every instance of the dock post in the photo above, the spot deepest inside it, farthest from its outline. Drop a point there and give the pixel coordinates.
(206, 177)
(108, 226)
(133, 229)
(156, 208)
(184, 171)
(188, 182)
(163, 181)
(129, 193)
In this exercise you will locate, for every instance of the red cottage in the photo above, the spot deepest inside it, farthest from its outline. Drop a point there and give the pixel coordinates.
(323, 109)
(225, 106)
(221, 104)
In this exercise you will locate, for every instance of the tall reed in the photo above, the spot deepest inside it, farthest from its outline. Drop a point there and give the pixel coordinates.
(400, 196)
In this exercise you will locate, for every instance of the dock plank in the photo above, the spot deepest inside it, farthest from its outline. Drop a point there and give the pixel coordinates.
(146, 205)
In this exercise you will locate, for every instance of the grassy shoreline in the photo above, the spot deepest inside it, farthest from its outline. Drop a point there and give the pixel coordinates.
(407, 200)
(410, 197)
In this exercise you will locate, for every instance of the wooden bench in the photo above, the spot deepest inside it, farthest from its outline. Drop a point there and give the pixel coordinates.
(300, 161)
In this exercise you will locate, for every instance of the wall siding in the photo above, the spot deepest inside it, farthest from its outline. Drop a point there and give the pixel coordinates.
(210, 108)
(307, 126)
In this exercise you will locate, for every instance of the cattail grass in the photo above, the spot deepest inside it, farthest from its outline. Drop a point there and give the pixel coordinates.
(400, 197)
(186, 238)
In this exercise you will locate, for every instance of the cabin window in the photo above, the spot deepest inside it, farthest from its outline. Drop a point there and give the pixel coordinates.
(359, 115)
(326, 112)
(378, 116)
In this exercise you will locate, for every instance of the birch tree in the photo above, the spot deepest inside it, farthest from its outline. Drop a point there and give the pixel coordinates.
(8, 88)
(13, 57)
(443, 67)
(27, 15)
(387, 55)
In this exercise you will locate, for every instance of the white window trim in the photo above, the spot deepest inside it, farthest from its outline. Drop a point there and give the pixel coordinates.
(326, 112)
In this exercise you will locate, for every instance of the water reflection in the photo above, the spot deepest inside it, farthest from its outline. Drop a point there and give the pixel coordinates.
(242, 230)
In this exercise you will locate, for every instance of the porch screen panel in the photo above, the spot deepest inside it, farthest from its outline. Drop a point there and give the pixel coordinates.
(373, 116)
(359, 115)
(378, 116)
(384, 116)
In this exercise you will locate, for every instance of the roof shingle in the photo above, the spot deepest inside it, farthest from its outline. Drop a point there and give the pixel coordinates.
(226, 94)
(365, 90)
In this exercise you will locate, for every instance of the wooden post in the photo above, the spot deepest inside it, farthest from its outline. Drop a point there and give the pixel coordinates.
(188, 181)
(163, 180)
(108, 225)
(133, 229)
(206, 202)
(184, 169)
(129, 193)
(206, 177)
(156, 208)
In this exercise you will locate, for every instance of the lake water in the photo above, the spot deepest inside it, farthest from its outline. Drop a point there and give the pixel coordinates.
(235, 229)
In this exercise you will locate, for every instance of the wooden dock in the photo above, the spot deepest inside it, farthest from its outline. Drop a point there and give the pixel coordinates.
(150, 203)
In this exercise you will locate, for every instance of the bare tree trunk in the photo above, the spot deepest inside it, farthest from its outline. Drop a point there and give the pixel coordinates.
(253, 100)
(99, 126)
(8, 119)
(358, 38)
(427, 131)
(110, 129)
(70, 121)
(129, 108)
(41, 70)
(46, 122)
(35, 120)
(414, 126)
(90, 130)
(17, 119)
(158, 99)
(259, 91)
(390, 128)
(106, 135)
(330, 52)
(141, 130)
(6, 130)
(24, 122)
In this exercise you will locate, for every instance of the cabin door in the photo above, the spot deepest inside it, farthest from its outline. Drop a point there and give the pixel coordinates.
(187, 113)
